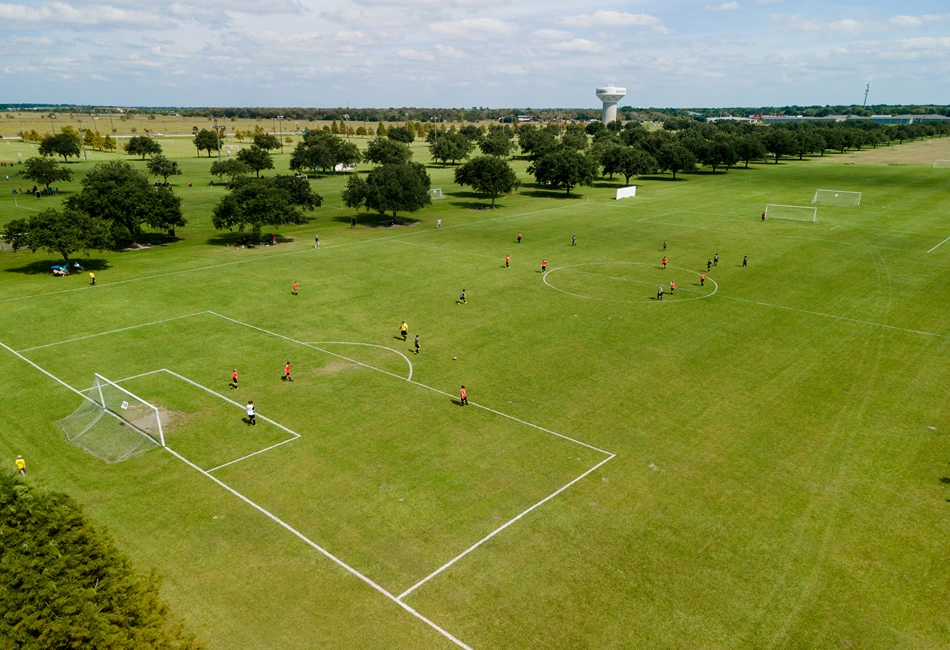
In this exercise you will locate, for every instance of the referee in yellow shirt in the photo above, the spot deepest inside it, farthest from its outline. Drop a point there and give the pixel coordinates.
(21, 465)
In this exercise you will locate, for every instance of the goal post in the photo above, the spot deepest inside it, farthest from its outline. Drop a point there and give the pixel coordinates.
(940, 164)
(794, 212)
(112, 423)
(436, 193)
(837, 197)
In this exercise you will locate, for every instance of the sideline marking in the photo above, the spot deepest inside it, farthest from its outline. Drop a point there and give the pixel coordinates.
(845, 318)
(578, 295)
(498, 530)
(23, 207)
(939, 245)
(371, 345)
(272, 517)
(270, 256)
(833, 227)
(121, 329)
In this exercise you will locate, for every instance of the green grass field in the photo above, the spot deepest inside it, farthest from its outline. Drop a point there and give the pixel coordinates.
(758, 462)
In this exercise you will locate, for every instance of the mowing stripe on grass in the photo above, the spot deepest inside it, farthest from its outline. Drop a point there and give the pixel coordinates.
(497, 530)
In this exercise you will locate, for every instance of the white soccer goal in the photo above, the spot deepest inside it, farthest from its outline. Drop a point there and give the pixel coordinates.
(112, 423)
(939, 164)
(795, 212)
(837, 197)
(436, 193)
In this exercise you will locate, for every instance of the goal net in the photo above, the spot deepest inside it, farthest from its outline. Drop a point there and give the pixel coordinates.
(837, 197)
(941, 163)
(795, 212)
(112, 423)
(436, 193)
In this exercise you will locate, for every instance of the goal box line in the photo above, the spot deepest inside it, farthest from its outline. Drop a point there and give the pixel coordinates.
(847, 195)
(792, 209)
(940, 164)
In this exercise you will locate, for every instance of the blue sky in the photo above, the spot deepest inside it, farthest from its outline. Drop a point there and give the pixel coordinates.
(473, 52)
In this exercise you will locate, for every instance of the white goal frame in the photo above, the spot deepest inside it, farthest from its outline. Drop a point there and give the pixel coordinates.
(102, 403)
(813, 218)
(837, 193)
(940, 164)
(436, 193)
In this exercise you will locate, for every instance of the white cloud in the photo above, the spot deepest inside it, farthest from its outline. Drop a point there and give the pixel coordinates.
(906, 21)
(767, 2)
(415, 55)
(449, 52)
(474, 29)
(725, 6)
(845, 25)
(60, 13)
(609, 19)
(551, 35)
(578, 45)
(936, 18)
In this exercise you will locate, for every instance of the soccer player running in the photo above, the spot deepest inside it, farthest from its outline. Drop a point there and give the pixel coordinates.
(404, 330)
(716, 259)
(659, 292)
(234, 378)
(507, 261)
(461, 300)
(672, 287)
(664, 263)
(251, 415)
(544, 266)
(21, 465)
(417, 344)
(296, 286)
(702, 280)
(763, 216)
(745, 260)
(573, 240)
(92, 278)
(664, 245)
(519, 237)
(287, 376)
(463, 395)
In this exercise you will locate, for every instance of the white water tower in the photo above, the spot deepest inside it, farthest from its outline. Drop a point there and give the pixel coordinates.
(610, 95)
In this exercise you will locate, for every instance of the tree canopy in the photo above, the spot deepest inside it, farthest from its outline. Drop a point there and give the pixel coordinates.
(401, 134)
(563, 168)
(160, 165)
(64, 584)
(321, 150)
(383, 151)
(256, 158)
(450, 146)
(60, 232)
(63, 144)
(267, 141)
(231, 168)
(117, 192)
(253, 203)
(535, 142)
(207, 140)
(44, 171)
(142, 145)
(391, 189)
(497, 142)
(675, 157)
(488, 175)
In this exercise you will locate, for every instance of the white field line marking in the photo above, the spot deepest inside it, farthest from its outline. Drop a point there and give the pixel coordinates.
(939, 245)
(115, 331)
(496, 531)
(23, 207)
(275, 255)
(371, 345)
(320, 549)
(411, 381)
(833, 227)
(579, 295)
(259, 451)
(844, 318)
(144, 374)
(272, 517)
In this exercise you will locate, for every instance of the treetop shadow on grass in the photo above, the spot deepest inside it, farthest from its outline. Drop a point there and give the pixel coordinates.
(484, 204)
(44, 267)
(374, 220)
(228, 238)
(553, 194)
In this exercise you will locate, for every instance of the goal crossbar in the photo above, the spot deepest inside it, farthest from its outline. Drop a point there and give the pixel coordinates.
(794, 212)
(837, 197)
(100, 380)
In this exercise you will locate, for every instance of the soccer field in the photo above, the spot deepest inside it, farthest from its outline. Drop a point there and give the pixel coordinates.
(759, 460)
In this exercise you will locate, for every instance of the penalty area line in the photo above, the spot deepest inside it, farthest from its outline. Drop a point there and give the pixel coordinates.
(498, 530)
(939, 245)
(115, 331)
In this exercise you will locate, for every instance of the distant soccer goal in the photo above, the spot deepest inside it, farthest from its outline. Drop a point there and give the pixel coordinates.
(436, 193)
(112, 423)
(794, 212)
(940, 164)
(837, 197)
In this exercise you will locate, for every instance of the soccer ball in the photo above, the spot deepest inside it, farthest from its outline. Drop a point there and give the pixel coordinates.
(454, 358)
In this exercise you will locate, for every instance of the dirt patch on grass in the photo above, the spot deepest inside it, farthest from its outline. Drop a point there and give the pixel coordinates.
(332, 368)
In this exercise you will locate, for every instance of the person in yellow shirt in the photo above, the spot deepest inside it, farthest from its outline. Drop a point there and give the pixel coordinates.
(21, 465)
(92, 278)
(404, 330)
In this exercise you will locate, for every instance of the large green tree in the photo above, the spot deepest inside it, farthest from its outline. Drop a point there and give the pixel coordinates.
(354, 194)
(675, 157)
(450, 146)
(64, 584)
(117, 192)
(207, 140)
(231, 168)
(257, 158)
(749, 147)
(61, 232)
(779, 142)
(401, 134)
(634, 161)
(163, 166)
(564, 168)
(64, 144)
(267, 141)
(383, 151)
(142, 145)
(536, 142)
(488, 175)
(40, 169)
(253, 203)
(391, 189)
(321, 150)
(496, 143)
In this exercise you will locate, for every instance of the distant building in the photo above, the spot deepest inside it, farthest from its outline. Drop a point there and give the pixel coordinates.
(876, 119)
